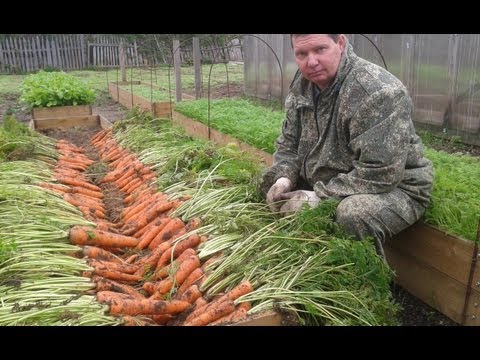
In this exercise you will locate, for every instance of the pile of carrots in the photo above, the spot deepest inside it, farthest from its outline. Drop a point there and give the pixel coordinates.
(145, 265)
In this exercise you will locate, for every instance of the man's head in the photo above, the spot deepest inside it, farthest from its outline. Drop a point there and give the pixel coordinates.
(318, 56)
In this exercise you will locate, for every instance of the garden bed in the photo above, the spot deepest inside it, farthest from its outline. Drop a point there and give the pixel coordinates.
(427, 261)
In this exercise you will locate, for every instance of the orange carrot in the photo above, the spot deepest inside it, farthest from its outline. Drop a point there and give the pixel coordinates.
(113, 266)
(185, 268)
(171, 228)
(55, 187)
(146, 306)
(115, 275)
(88, 192)
(162, 319)
(81, 235)
(191, 294)
(243, 288)
(94, 252)
(136, 321)
(75, 182)
(110, 285)
(237, 315)
(211, 314)
(147, 216)
(157, 227)
(189, 281)
(191, 242)
(164, 271)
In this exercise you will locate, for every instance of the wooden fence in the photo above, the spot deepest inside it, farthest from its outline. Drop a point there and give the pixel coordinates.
(33, 52)
(27, 53)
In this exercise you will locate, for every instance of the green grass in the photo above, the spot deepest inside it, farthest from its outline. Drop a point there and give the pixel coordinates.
(248, 122)
(149, 93)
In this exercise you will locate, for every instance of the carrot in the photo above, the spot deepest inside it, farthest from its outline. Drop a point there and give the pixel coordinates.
(110, 285)
(94, 252)
(189, 281)
(147, 216)
(131, 259)
(106, 296)
(131, 186)
(237, 315)
(146, 306)
(162, 319)
(190, 242)
(210, 261)
(115, 275)
(95, 213)
(81, 235)
(171, 228)
(157, 227)
(136, 321)
(81, 200)
(149, 261)
(243, 288)
(191, 294)
(75, 182)
(55, 187)
(211, 314)
(113, 266)
(88, 192)
(164, 271)
(193, 224)
(185, 268)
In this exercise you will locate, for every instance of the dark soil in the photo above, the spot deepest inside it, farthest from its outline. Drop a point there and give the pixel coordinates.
(414, 313)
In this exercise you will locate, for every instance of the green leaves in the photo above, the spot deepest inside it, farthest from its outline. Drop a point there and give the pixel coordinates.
(49, 89)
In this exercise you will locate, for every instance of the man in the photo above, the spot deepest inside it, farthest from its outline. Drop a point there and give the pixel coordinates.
(348, 135)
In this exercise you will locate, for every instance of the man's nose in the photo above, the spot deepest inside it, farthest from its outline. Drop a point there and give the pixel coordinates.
(312, 60)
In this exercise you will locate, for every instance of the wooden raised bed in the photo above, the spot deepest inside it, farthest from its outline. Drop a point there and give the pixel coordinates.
(65, 117)
(434, 266)
(161, 109)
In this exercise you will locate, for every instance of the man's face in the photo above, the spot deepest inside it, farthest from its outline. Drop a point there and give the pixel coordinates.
(318, 57)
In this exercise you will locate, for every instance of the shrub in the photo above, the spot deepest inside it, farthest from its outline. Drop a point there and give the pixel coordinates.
(48, 89)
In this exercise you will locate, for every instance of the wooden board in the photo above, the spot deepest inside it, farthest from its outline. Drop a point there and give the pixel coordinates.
(435, 267)
(104, 122)
(65, 122)
(269, 318)
(61, 111)
(197, 129)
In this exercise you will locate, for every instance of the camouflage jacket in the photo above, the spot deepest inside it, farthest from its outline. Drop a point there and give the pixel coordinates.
(355, 137)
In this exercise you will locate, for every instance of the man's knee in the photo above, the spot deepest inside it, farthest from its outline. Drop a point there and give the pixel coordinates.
(352, 214)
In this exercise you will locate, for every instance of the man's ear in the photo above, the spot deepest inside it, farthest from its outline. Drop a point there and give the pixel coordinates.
(342, 42)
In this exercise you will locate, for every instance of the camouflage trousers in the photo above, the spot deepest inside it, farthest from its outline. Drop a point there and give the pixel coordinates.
(378, 215)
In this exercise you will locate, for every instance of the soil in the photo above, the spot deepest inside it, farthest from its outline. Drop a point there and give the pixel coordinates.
(414, 311)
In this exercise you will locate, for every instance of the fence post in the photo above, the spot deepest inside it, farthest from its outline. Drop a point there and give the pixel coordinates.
(178, 73)
(121, 54)
(198, 68)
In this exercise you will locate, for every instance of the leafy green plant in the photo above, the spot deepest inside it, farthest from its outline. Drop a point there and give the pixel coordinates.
(50, 89)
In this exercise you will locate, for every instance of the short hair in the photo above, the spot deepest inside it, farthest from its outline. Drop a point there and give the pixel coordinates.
(334, 37)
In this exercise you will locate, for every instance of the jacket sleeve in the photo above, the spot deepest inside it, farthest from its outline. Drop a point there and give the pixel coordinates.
(379, 134)
(286, 162)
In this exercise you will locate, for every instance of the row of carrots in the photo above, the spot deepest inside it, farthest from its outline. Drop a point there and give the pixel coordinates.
(141, 268)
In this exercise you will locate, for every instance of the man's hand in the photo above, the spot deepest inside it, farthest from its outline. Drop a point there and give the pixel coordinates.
(281, 186)
(296, 199)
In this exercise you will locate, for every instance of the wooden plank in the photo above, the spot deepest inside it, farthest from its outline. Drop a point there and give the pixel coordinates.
(433, 287)
(269, 318)
(197, 129)
(61, 111)
(162, 109)
(446, 253)
(104, 122)
(66, 122)
(2, 59)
